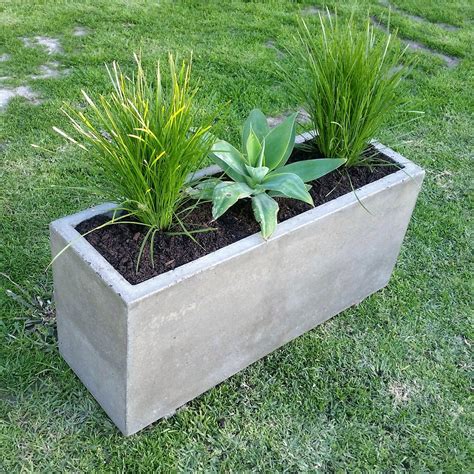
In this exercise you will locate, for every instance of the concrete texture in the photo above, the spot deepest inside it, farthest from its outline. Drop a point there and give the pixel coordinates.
(144, 350)
(80, 31)
(302, 118)
(312, 10)
(52, 45)
(270, 44)
(451, 61)
(8, 93)
(50, 70)
(417, 18)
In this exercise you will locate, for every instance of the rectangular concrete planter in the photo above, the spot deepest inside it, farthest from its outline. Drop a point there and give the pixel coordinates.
(144, 350)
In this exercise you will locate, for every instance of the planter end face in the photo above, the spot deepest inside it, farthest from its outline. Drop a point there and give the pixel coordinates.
(91, 320)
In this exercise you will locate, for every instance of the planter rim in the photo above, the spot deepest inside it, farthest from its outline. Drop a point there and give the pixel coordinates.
(131, 294)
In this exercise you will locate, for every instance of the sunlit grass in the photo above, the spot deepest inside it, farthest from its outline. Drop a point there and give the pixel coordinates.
(147, 138)
(348, 81)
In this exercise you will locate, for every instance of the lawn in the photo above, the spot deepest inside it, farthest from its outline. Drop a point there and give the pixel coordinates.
(384, 386)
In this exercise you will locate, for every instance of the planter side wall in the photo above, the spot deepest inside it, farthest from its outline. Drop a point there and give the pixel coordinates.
(190, 336)
(145, 350)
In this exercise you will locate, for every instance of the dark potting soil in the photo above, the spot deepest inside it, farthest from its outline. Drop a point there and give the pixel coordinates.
(120, 244)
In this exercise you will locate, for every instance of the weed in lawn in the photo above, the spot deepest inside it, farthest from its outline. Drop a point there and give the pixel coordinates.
(39, 322)
(401, 392)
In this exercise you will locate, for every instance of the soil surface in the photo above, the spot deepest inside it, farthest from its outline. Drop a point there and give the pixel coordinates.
(120, 244)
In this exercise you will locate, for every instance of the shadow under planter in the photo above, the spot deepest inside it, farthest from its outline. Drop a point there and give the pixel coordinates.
(144, 350)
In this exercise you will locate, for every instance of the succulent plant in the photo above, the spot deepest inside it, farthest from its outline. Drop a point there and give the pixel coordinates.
(260, 171)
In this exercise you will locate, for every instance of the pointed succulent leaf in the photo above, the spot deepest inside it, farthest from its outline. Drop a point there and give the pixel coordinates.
(261, 157)
(288, 184)
(279, 143)
(207, 136)
(254, 148)
(203, 189)
(265, 210)
(257, 121)
(226, 194)
(309, 170)
(274, 194)
(257, 174)
(229, 159)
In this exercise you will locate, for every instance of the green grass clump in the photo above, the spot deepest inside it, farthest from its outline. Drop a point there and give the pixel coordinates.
(147, 140)
(349, 84)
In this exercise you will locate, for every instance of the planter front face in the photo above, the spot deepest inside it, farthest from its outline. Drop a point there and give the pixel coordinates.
(144, 350)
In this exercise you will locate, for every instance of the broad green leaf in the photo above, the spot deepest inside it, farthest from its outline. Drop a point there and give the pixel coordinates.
(207, 136)
(204, 189)
(289, 184)
(226, 194)
(279, 143)
(229, 159)
(265, 210)
(309, 170)
(258, 122)
(274, 194)
(257, 174)
(254, 148)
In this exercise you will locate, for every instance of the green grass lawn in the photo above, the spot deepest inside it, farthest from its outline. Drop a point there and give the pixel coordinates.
(384, 386)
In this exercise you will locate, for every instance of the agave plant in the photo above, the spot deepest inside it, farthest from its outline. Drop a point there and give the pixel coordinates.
(260, 171)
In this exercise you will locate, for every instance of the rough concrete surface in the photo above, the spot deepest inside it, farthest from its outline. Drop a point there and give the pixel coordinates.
(50, 70)
(270, 44)
(52, 45)
(7, 94)
(416, 18)
(302, 118)
(80, 31)
(451, 61)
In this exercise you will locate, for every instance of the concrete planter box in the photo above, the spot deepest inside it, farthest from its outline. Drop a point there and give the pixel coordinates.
(144, 350)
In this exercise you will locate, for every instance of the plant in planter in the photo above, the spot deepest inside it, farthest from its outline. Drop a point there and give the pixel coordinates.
(145, 349)
(348, 80)
(147, 139)
(261, 171)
